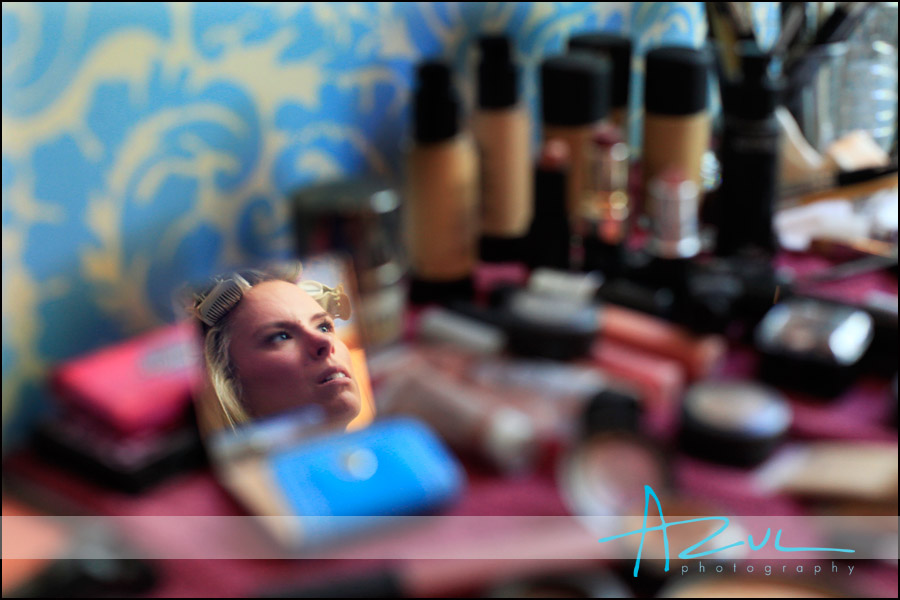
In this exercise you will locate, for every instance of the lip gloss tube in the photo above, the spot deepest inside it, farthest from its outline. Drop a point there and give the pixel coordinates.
(697, 354)
(659, 380)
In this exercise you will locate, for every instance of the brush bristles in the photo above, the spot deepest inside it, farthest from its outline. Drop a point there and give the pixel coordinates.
(221, 299)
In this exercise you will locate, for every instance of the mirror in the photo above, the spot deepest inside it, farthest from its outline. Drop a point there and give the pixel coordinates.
(281, 340)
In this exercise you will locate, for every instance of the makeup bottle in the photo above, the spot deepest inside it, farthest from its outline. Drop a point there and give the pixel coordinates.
(750, 158)
(603, 215)
(549, 236)
(575, 99)
(502, 131)
(618, 48)
(676, 117)
(361, 218)
(441, 192)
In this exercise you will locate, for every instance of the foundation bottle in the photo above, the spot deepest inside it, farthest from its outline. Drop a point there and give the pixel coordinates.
(441, 192)
(575, 100)
(618, 49)
(676, 115)
(503, 134)
(750, 159)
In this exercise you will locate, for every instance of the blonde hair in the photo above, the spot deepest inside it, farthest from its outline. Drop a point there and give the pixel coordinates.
(226, 409)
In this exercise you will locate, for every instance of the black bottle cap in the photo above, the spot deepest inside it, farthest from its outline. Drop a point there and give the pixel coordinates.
(677, 81)
(436, 106)
(756, 94)
(618, 48)
(612, 410)
(575, 89)
(497, 77)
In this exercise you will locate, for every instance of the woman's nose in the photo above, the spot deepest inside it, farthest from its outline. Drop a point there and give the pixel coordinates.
(319, 344)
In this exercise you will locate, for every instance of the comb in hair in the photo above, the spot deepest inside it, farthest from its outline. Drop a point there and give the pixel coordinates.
(221, 299)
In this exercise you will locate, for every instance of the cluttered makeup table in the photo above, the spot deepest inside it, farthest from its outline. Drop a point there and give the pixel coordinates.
(865, 414)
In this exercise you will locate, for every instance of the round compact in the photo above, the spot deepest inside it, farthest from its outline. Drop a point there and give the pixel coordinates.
(733, 422)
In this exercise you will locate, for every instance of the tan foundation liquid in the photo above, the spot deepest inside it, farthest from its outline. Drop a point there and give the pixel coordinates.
(442, 220)
(675, 141)
(504, 137)
(578, 140)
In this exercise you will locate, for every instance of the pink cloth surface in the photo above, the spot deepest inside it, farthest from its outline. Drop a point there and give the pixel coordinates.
(862, 413)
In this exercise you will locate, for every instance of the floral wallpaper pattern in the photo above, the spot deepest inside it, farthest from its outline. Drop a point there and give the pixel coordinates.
(146, 144)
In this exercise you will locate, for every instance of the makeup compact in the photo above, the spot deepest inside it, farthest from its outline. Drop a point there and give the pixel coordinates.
(125, 418)
(733, 422)
(813, 346)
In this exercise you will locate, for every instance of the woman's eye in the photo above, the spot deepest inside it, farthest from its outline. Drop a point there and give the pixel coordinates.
(326, 326)
(279, 337)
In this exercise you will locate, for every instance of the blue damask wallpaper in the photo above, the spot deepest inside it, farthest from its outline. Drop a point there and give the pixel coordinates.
(145, 144)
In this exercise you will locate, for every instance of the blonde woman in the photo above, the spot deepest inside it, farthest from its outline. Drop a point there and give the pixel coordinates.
(270, 347)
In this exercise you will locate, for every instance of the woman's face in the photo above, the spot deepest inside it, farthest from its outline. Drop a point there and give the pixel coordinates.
(286, 354)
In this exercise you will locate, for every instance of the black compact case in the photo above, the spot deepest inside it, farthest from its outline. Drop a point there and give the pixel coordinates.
(538, 325)
(733, 422)
(813, 346)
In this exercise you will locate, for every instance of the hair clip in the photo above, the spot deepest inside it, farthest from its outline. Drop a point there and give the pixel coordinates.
(334, 300)
(210, 308)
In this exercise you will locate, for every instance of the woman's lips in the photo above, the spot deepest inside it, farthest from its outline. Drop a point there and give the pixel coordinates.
(334, 377)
